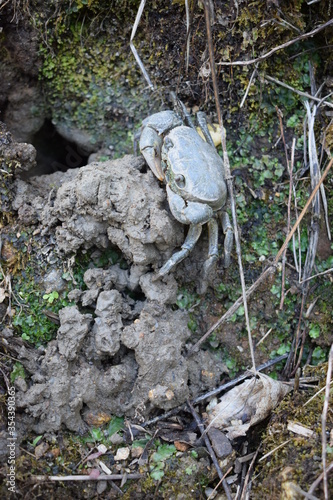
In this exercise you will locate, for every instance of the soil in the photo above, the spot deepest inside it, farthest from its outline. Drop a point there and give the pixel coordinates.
(113, 347)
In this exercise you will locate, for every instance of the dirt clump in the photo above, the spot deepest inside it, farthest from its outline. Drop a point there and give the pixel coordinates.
(120, 346)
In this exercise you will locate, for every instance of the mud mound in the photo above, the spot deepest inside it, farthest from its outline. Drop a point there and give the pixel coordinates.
(120, 349)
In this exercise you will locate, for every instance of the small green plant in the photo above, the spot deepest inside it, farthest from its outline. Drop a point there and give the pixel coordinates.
(31, 321)
(319, 355)
(51, 297)
(17, 371)
(164, 451)
(314, 331)
(187, 299)
(36, 441)
(116, 424)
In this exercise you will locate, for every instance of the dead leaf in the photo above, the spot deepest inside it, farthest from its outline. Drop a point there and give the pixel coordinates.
(41, 449)
(181, 446)
(247, 404)
(55, 452)
(181, 436)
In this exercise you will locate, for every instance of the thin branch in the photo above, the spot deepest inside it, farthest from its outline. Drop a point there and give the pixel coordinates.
(273, 451)
(210, 450)
(212, 495)
(247, 478)
(187, 11)
(315, 395)
(316, 275)
(320, 478)
(303, 212)
(290, 172)
(299, 92)
(280, 47)
(248, 87)
(133, 49)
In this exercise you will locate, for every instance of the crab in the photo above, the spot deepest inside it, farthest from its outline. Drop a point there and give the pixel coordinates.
(195, 181)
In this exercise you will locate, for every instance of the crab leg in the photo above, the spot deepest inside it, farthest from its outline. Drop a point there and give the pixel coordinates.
(228, 236)
(213, 233)
(192, 237)
(190, 212)
(213, 252)
(201, 117)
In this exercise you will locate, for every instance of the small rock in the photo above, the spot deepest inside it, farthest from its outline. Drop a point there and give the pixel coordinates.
(96, 418)
(21, 384)
(101, 487)
(75, 295)
(220, 442)
(122, 454)
(53, 281)
(137, 451)
(210, 493)
(116, 439)
(102, 448)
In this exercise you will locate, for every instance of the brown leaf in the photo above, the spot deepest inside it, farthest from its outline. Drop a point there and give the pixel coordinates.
(181, 446)
(55, 452)
(41, 449)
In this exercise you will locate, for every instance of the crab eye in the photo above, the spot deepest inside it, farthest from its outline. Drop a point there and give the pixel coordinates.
(180, 181)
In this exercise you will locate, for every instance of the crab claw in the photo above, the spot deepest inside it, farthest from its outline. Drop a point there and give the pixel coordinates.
(150, 147)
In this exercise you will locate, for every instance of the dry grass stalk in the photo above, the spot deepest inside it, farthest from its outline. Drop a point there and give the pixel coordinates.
(324, 419)
(229, 178)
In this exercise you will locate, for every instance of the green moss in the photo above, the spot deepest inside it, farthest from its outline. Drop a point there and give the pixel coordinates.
(91, 82)
(32, 320)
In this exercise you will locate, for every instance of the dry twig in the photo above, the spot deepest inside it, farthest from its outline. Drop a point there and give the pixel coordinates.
(280, 47)
(324, 419)
(299, 92)
(210, 450)
(133, 49)
(290, 166)
(101, 477)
